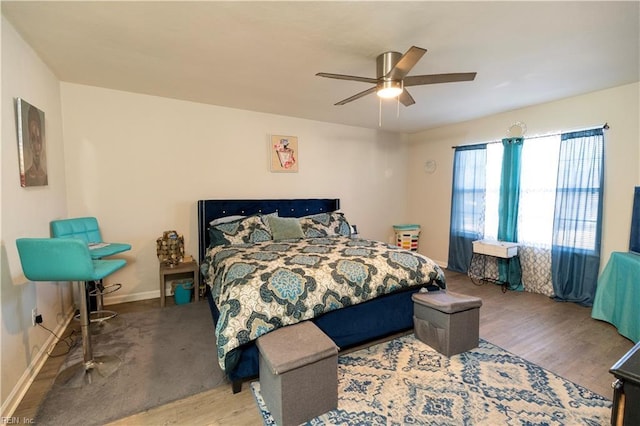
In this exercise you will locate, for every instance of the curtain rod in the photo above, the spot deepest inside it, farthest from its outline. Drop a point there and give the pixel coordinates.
(604, 126)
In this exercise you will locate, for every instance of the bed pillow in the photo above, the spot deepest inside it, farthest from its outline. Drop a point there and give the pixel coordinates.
(225, 219)
(325, 225)
(285, 228)
(247, 230)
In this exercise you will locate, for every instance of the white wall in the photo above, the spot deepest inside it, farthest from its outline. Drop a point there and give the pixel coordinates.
(429, 195)
(26, 212)
(140, 163)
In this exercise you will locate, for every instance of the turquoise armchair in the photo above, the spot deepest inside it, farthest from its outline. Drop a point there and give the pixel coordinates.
(88, 230)
(54, 259)
(68, 259)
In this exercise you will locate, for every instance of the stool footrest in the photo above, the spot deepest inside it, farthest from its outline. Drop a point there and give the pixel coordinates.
(98, 316)
(101, 290)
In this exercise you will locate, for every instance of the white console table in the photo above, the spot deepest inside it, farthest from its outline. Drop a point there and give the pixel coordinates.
(483, 249)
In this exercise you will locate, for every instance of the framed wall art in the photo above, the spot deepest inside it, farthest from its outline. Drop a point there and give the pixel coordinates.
(283, 153)
(31, 144)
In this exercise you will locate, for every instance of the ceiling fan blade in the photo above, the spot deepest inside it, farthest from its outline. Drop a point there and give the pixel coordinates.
(405, 63)
(416, 80)
(357, 96)
(347, 77)
(406, 98)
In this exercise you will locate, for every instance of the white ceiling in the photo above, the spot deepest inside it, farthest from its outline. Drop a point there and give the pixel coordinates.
(263, 56)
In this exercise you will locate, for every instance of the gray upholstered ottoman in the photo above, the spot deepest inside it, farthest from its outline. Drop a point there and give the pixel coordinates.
(298, 373)
(448, 322)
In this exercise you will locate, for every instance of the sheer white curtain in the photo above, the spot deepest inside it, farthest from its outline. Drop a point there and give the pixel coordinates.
(577, 226)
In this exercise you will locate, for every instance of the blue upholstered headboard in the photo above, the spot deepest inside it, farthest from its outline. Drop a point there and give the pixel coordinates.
(213, 209)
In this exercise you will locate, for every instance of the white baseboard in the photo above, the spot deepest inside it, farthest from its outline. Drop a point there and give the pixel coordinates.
(20, 389)
(115, 298)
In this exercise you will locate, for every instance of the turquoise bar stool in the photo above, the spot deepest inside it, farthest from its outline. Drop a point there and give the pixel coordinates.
(88, 230)
(69, 259)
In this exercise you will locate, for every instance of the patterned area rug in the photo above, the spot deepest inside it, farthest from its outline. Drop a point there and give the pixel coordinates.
(404, 381)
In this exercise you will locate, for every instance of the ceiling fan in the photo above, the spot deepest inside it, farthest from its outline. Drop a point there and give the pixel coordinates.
(391, 77)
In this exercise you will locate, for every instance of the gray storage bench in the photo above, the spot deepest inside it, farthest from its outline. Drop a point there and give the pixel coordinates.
(298, 373)
(448, 322)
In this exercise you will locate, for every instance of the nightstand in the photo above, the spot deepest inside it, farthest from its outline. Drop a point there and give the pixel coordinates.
(181, 270)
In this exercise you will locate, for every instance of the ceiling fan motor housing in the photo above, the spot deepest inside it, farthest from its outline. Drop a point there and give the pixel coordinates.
(386, 86)
(385, 63)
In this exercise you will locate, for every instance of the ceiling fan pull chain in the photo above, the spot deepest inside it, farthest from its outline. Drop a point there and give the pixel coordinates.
(398, 99)
(379, 112)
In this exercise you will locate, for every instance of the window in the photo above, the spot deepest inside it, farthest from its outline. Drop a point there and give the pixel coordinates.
(468, 206)
(538, 177)
(494, 168)
(477, 189)
(559, 209)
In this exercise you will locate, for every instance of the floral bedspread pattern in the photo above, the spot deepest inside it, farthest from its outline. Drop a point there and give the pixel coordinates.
(261, 287)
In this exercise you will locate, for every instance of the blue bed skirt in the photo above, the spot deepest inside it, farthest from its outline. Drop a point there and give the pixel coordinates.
(347, 327)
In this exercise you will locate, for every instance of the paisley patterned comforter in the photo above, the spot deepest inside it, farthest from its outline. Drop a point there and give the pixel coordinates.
(263, 286)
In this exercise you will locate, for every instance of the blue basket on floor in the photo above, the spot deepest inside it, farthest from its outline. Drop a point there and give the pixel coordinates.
(182, 291)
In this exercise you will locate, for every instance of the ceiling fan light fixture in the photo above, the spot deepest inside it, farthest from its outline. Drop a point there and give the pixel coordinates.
(389, 89)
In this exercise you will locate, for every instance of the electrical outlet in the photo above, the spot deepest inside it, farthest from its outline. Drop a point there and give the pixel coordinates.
(34, 314)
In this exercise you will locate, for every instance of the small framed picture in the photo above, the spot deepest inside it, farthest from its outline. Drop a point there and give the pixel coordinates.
(31, 144)
(284, 153)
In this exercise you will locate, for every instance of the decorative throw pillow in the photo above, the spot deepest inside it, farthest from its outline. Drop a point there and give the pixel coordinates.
(285, 228)
(265, 217)
(325, 225)
(247, 230)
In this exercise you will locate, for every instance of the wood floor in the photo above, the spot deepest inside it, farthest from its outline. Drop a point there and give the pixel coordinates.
(561, 337)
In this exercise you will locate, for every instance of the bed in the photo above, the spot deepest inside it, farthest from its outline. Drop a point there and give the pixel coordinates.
(299, 269)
